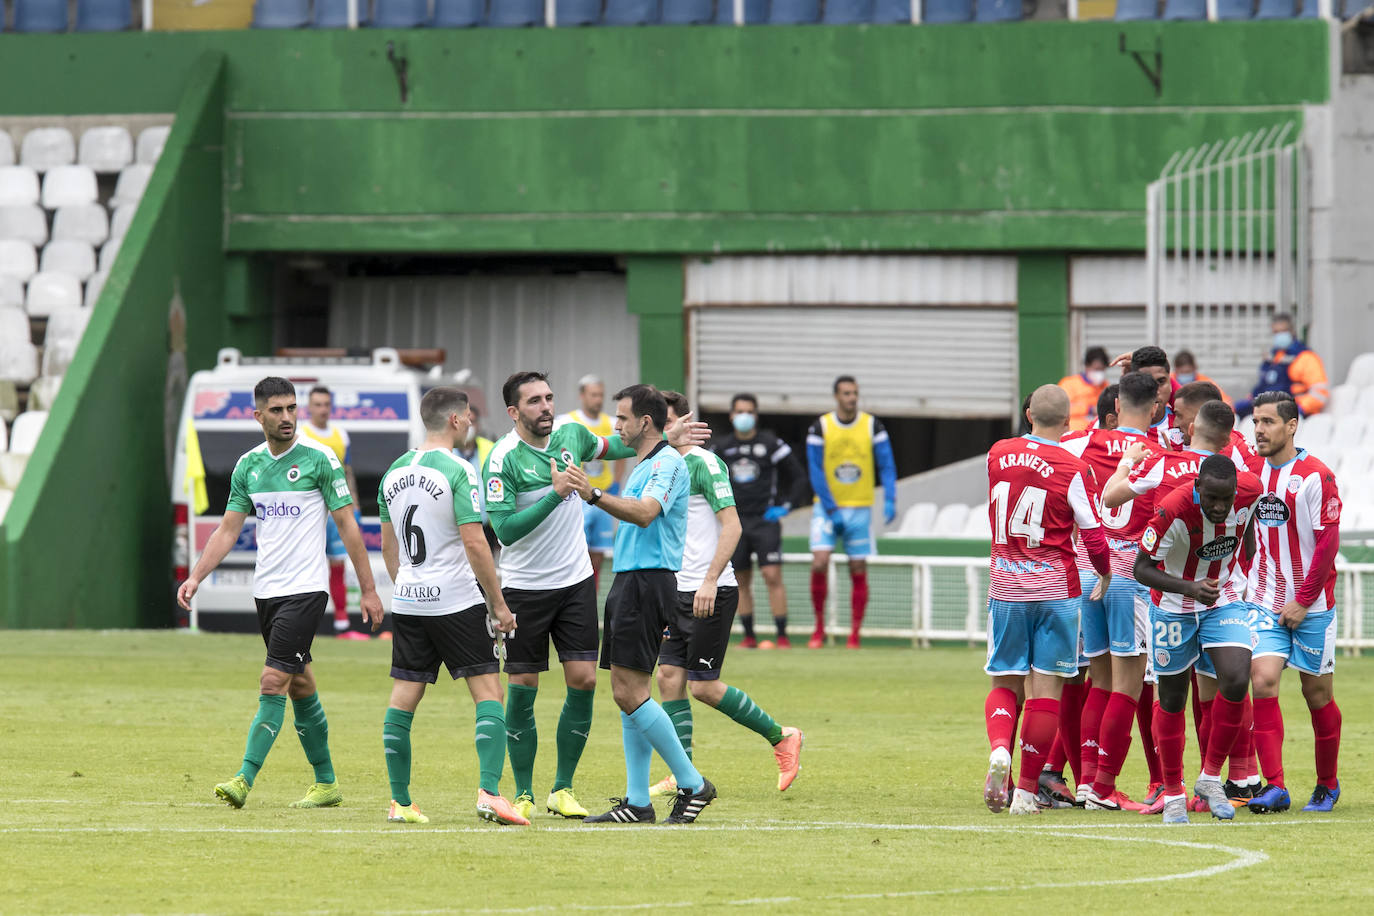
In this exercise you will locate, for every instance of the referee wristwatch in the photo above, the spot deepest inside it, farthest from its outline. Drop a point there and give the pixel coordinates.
(596, 496)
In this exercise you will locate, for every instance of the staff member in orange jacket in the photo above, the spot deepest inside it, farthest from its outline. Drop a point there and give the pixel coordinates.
(1085, 387)
(1185, 373)
(1293, 368)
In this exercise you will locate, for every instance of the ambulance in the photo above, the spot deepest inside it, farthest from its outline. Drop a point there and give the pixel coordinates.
(376, 399)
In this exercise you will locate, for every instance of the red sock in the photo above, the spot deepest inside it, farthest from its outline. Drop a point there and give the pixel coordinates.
(999, 714)
(858, 599)
(339, 592)
(1058, 756)
(1268, 735)
(1144, 720)
(1114, 739)
(1042, 719)
(1204, 729)
(1197, 713)
(1070, 713)
(1089, 727)
(819, 587)
(1226, 719)
(1238, 769)
(1326, 728)
(1171, 735)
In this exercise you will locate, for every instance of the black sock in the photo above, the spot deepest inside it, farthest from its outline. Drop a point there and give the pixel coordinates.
(747, 621)
(781, 623)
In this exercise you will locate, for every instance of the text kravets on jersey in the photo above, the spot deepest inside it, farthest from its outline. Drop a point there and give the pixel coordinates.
(1026, 460)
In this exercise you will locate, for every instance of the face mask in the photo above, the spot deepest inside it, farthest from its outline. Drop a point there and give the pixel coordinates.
(743, 422)
(1283, 340)
(1187, 378)
(1096, 376)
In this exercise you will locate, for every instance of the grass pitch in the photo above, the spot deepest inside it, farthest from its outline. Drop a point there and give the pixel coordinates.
(113, 741)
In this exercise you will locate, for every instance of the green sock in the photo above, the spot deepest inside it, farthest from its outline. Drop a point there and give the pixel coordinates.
(574, 725)
(680, 711)
(261, 734)
(396, 740)
(737, 705)
(313, 730)
(491, 744)
(522, 739)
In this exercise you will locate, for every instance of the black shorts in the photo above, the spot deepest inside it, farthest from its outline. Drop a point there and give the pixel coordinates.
(699, 643)
(568, 615)
(638, 607)
(760, 538)
(288, 626)
(465, 641)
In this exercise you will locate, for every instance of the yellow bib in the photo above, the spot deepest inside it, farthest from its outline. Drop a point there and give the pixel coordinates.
(848, 462)
(599, 473)
(333, 440)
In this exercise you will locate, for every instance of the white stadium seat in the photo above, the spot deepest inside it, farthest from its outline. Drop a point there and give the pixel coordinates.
(88, 223)
(11, 291)
(49, 291)
(93, 287)
(1361, 372)
(43, 391)
(108, 252)
(1352, 465)
(1246, 427)
(14, 324)
(1348, 432)
(47, 148)
(977, 525)
(18, 361)
(119, 223)
(17, 260)
(28, 426)
(949, 522)
(67, 257)
(25, 222)
(11, 470)
(18, 186)
(1364, 404)
(918, 521)
(131, 184)
(1342, 399)
(6, 148)
(106, 149)
(1315, 432)
(4, 437)
(151, 140)
(65, 327)
(67, 185)
(9, 401)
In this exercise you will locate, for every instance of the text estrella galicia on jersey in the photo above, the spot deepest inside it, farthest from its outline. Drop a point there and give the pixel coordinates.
(1219, 549)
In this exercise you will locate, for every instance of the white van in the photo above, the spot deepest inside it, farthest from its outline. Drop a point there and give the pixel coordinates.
(376, 399)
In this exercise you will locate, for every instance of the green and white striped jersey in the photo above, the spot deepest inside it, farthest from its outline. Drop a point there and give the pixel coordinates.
(290, 495)
(426, 495)
(710, 492)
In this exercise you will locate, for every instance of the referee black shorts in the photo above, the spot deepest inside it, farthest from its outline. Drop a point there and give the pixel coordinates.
(699, 643)
(288, 626)
(638, 607)
(464, 641)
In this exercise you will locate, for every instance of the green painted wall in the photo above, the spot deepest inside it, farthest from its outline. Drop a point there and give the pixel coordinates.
(1042, 319)
(87, 540)
(653, 291)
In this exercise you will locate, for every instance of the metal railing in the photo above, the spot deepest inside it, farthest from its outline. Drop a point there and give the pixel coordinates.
(944, 599)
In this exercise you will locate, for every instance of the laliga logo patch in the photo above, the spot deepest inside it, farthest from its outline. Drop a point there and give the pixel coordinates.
(294, 474)
(476, 503)
(1271, 511)
(1148, 540)
(1162, 657)
(495, 489)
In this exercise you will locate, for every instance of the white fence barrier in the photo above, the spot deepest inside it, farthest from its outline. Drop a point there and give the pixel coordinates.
(944, 599)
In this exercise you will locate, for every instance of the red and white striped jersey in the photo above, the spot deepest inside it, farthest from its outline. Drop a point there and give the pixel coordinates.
(1164, 472)
(1299, 500)
(1037, 493)
(1190, 546)
(1102, 450)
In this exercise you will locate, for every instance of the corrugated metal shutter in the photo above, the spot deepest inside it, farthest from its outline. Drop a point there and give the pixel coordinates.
(565, 325)
(911, 362)
(852, 280)
(1116, 329)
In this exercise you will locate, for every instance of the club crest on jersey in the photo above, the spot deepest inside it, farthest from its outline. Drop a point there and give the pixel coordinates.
(1241, 516)
(567, 457)
(1219, 549)
(1271, 511)
(745, 470)
(294, 474)
(1294, 484)
(1333, 510)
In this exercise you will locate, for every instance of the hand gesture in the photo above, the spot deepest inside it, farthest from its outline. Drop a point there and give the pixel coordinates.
(500, 613)
(568, 481)
(1100, 589)
(704, 602)
(372, 609)
(775, 513)
(1123, 360)
(1135, 453)
(687, 430)
(1292, 614)
(187, 592)
(1206, 591)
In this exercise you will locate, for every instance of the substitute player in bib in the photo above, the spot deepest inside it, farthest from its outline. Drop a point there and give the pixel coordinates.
(693, 653)
(290, 484)
(1116, 627)
(1037, 493)
(598, 527)
(1190, 558)
(843, 449)
(320, 406)
(1291, 599)
(438, 612)
(649, 546)
(546, 575)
